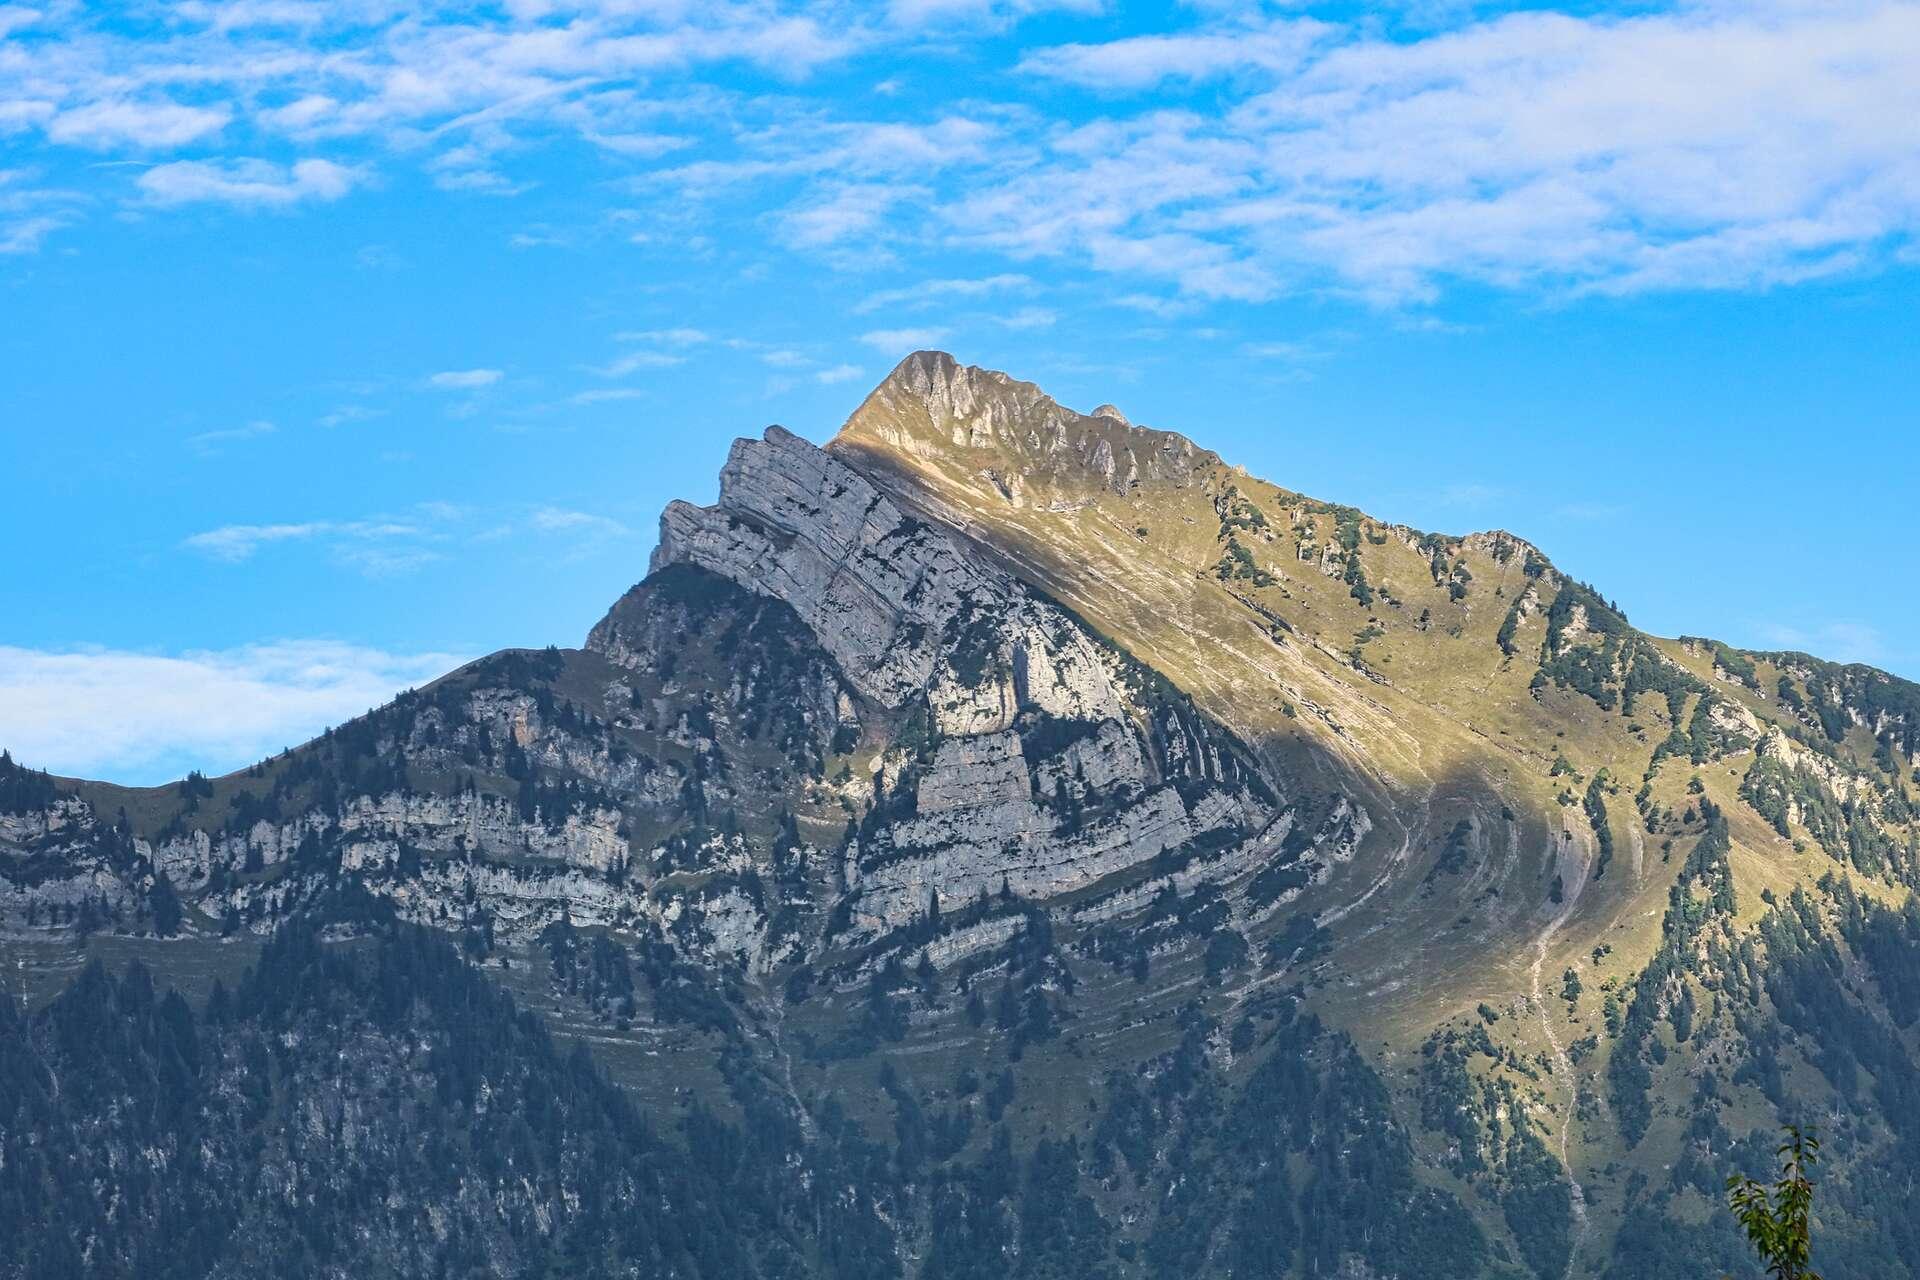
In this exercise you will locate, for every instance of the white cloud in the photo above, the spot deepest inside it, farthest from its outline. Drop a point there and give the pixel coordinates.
(1140, 62)
(941, 14)
(1719, 145)
(1282, 350)
(30, 212)
(837, 374)
(1030, 318)
(464, 379)
(350, 413)
(853, 210)
(606, 395)
(157, 126)
(900, 341)
(1230, 154)
(665, 337)
(1153, 305)
(234, 543)
(634, 361)
(580, 534)
(14, 17)
(928, 292)
(246, 183)
(561, 520)
(419, 535)
(143, 718)
(451, 88)
(210, 441)
(26, 235)
(377, 561)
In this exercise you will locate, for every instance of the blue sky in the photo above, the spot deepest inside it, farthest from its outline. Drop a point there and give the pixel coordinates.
(339, 342)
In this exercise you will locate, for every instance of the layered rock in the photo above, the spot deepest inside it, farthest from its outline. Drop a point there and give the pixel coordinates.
(917, 619)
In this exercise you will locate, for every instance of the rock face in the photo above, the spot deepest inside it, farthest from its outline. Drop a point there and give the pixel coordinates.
(899, 606)
(1030, 720)
(1082, 793)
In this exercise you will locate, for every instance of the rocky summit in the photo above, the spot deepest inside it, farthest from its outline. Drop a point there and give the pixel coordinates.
(1008, 841)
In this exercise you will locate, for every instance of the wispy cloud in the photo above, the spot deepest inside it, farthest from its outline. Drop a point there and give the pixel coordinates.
(1280, 350)
(901, 341)
(606, 395)
(27, 234)
(837, 374)
(682, 337)
(246, 183)
(234, 543)
(580, 534)
(350, 413)
(424, 534)
(1030, 318)
(538, 239)
(1141, 62)
(634, 361)
(144, 718)
(931, 292)
(1557, 153)
(847, 211)
(944, 15)
(1155, 305)
(464, 379)
(154, 125)
(15, 17)
(30, 210)
(561, 520)
(209, 442)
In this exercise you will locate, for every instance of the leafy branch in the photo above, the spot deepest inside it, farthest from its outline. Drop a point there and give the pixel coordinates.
(1777, 1218)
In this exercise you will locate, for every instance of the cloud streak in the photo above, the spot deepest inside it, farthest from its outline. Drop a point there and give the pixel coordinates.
(464, 379)
(144, 718)
(235, 543)
(901, 341)
(251, 184)
(428, 532)
(211, 442)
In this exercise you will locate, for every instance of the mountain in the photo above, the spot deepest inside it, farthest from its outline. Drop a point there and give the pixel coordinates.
(1005, 841)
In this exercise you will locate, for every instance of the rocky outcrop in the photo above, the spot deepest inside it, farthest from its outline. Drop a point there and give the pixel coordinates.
(1038, 450)
(914, 618)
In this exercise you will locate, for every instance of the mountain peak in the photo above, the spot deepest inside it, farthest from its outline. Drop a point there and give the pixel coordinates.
(934, 410)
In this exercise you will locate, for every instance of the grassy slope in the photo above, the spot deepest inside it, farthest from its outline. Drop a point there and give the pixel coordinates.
(1411, 691)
